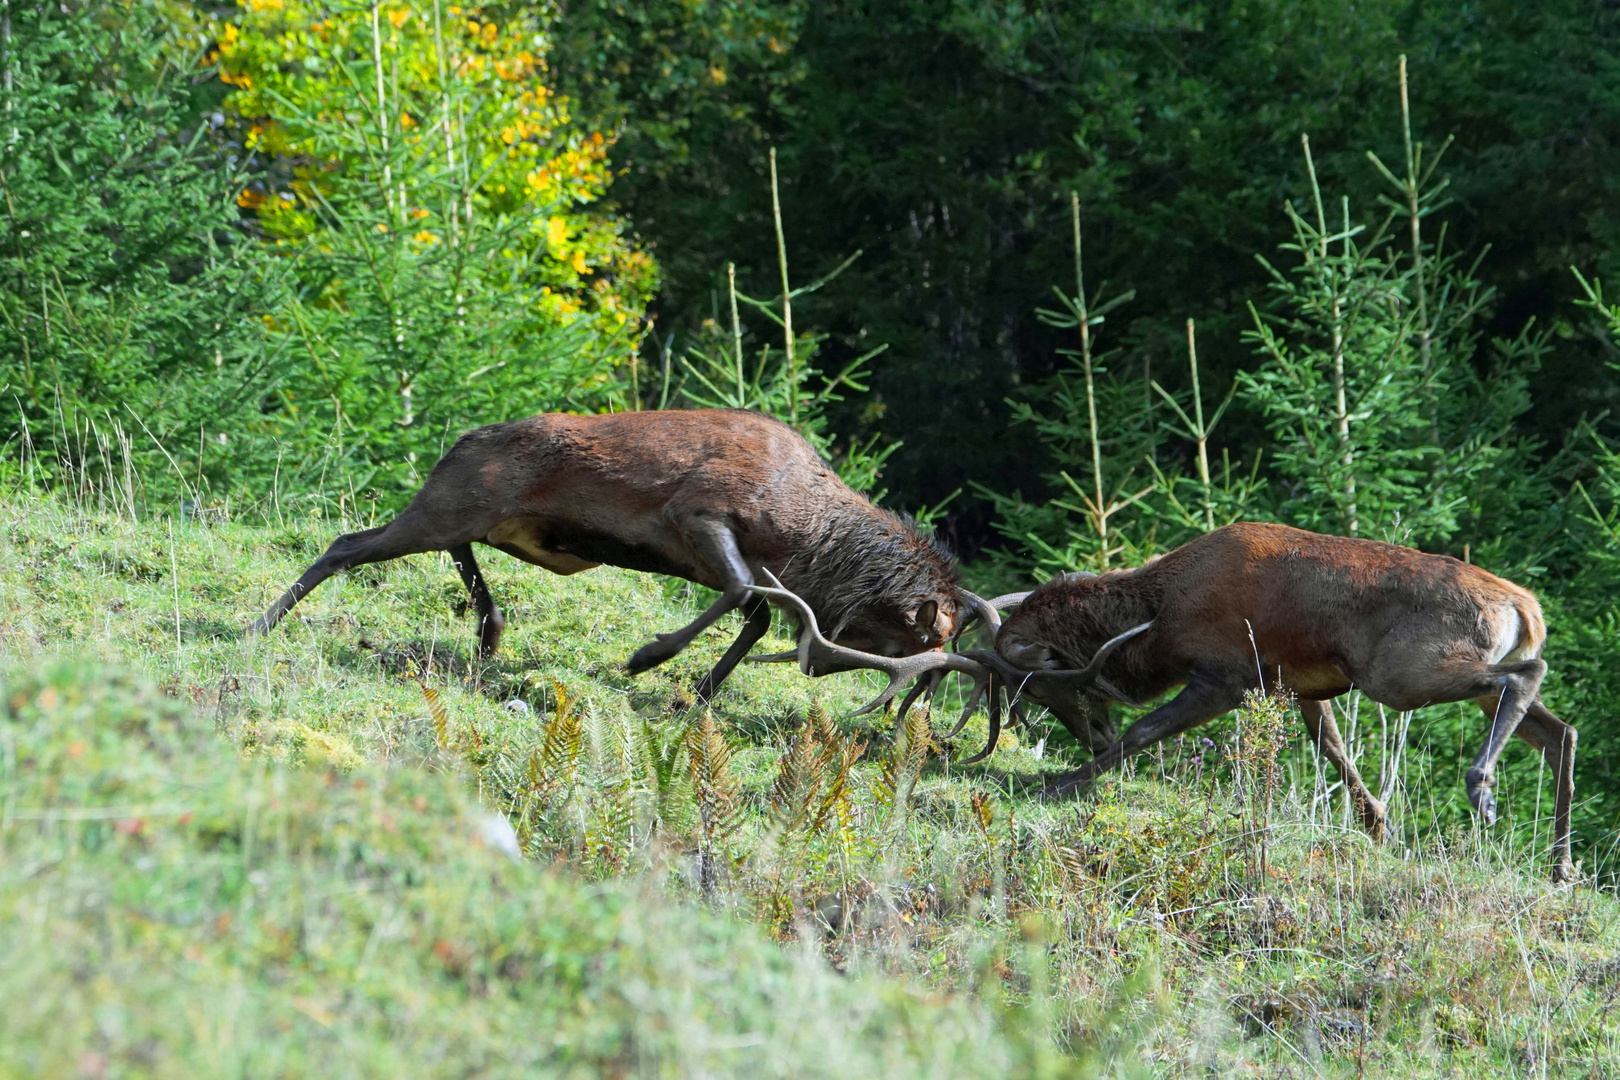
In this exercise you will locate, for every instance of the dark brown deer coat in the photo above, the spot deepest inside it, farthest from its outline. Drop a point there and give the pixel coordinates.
(708, 495)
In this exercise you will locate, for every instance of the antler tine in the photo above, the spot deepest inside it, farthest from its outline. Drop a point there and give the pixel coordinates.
(994, 710)
(979, 687)
(901, 668)
(928, 683)
(814, 647)
(1089, 672)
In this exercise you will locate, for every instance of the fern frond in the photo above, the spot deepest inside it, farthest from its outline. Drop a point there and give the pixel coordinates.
(714, 788)
(553, 765)
(798, 780)
(441, 715)
(913, 745)
(984, 810)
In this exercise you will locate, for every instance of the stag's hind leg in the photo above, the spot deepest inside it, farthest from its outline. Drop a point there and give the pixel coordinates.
(490, 620)
(1324, 733)
(1555, 739)
(1504, 692)
(348, 550)
(408, 534)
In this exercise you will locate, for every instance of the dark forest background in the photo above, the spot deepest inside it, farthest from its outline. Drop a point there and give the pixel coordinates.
(941, 140)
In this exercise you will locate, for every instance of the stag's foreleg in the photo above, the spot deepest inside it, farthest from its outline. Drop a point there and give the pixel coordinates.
(756, 620)
(1207, 695)
(1324, 733)
(490, 620)
(717, 545)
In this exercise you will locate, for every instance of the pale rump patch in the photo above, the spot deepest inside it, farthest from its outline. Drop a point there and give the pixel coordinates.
(1510, 641)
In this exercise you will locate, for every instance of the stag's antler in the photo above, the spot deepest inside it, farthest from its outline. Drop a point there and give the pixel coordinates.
(1015, 677)
(816, 651)
(987, 611)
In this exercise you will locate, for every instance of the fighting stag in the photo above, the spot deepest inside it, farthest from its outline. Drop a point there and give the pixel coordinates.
(1253, 605)
(715, 496)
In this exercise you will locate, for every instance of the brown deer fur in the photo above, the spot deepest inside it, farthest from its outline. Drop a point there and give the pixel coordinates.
(709, 495)
(1317, 615)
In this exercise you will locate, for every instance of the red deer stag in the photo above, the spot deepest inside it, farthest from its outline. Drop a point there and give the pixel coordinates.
(715, 496)
(1320, 615)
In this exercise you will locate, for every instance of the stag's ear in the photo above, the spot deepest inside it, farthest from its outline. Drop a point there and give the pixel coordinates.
(926, 616)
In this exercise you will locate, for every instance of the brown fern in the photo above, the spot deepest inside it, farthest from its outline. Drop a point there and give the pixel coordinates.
(553, 765)
(708, 756)
(441, 715)
(984, 810)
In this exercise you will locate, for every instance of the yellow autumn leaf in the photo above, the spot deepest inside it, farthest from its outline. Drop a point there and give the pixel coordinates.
(557, 232)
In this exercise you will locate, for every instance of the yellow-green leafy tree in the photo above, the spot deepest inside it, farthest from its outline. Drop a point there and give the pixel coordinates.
(440, 215)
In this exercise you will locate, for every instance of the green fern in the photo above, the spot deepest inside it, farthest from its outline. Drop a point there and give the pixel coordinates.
(798, 782)
(720, 810)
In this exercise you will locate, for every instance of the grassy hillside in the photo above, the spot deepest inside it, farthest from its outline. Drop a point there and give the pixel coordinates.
(287, 858)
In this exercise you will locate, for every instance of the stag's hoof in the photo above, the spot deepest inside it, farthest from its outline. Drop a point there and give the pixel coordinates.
(652, 654)
(1067, 785)
(489, 637)
(1563, 872)
(1484, 803)
(1374, 817)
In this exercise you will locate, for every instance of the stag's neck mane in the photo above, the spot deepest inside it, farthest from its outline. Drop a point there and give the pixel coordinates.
(868, 556)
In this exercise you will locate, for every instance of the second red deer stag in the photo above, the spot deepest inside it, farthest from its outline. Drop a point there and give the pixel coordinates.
(716, 496)
(1318, 615)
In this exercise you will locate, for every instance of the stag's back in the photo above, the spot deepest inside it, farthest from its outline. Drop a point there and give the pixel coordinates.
(1325, 608)
(632, 475)
(1307, 593)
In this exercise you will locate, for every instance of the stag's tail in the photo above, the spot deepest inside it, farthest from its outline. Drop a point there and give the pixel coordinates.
(1532, 628)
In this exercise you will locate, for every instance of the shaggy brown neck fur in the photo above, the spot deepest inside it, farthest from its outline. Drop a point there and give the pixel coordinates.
(871, 564)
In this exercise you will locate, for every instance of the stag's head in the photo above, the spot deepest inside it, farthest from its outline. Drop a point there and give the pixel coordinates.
(891, 630)
(886, 588)
(1053, 648)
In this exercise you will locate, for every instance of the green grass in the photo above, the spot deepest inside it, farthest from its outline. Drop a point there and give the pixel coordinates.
(277, 864)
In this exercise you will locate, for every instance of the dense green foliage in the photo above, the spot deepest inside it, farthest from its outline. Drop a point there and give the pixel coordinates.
(129, 300)
(313, 242)
(942, 137)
